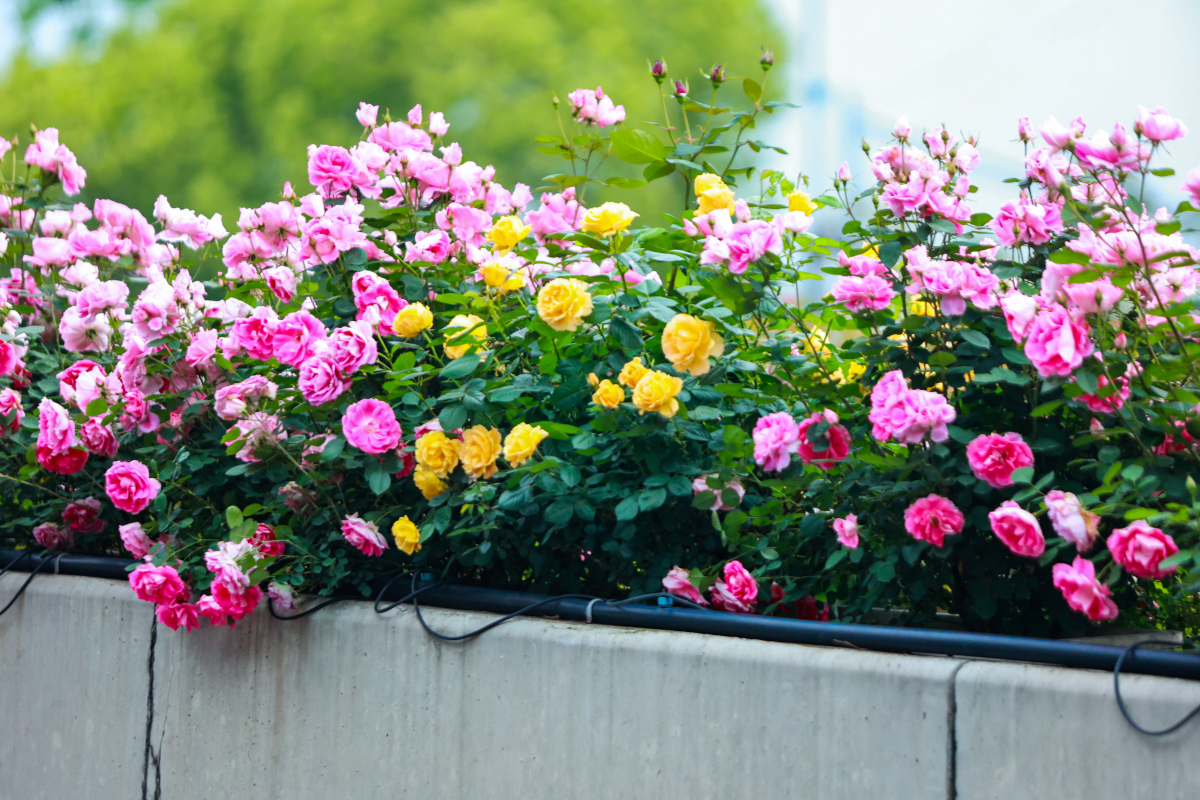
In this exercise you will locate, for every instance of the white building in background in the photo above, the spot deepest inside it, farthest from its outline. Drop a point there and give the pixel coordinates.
(975, 66)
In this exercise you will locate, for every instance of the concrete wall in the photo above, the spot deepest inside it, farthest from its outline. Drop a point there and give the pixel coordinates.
(349, 704)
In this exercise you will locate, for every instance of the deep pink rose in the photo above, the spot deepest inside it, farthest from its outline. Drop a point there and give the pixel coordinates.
(53, 537)
(867, 293)
(371, 426)
(178, 615)
(67, 463)
(10, 403)
(354, 347)
(254, 335)
(1018, 529)
(1071, 521)
(295, 337)
(157, 584)
(933, 518)
(1083, 593)
(84, 516)
(1140, 549)
(364, 535)
(156, 312)
(846, 529)
(236, 604)
(129, 486)
(701, 485)
(429, 246)
(776, 437)
(837, 436)
(741, 584)
(321, 381)
(1057, 343)
(265, 542)
(56, 431)
(332, 170)
(282, 282)
(994, 458)
(677, 582)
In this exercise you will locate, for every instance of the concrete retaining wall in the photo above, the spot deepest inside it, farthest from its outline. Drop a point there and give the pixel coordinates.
(350, 704)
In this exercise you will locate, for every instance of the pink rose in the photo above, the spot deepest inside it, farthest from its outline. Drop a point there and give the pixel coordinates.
(367, 114)
(10, 404)
(1158, 126)
(52, 537)
(321, 381)
(66, 463)
(1083, 593)
(677, 582)
(135, 539)
(84, 516)
(178, 615)
(886, 394)
(1191, 185)
(202, 350)
(129, 486)
(429, 246)
(208, 608)
(837, 437)
(101, 297)
(233, 402)
(157, 584)
(994, 458)
(776, 437)
(56, 431)
(282, 282)
(332, 170)
(371, 426)
(1057, 343)
(156, 312)
(281, 596)
(353, 347)
(741, 583)
(295, 337)
(1018, 529)
(265, 542)
(846, 529)
(1019, 313)
(254, 335)
(868, 293)
(920, 414)
(1140, 549)
(1071, 520)
(701, 485)
(236, 604)
(933, 518)
(364, 535)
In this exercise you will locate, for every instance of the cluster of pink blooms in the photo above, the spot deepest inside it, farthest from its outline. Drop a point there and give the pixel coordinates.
(922, 182)
(777, 437)
(868, 287)
(738, 245)
(736, 591)
(908, 415)
(953, 283)
(595, 107)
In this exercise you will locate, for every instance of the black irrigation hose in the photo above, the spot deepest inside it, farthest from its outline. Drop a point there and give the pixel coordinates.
(1121, 702)
(32, 574)
(305, 612)
(519, 612)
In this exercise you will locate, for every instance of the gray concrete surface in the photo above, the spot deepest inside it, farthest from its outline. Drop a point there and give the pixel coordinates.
(73, 689)
(1027, 731)
(350, 704)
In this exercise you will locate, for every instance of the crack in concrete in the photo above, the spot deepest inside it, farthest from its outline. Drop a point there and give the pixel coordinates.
(952, 731)
(151, 757)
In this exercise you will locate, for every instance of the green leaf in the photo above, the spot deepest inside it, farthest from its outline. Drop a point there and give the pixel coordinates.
(889, 253)
(333, 449)
(752, 90)
(505, 394)
(651, 499)
(679, 486)
(559, 512)
(452, 417)
(233, 517)
(379, 481)
(976, 338)
(942, 359)
(1022, 475)
(1068, 257)
(836, 557)
(628, 508)
(461, 367)
(635, 146)
(1045, 408)
(628, 336)
(97, 407)
(625, 183)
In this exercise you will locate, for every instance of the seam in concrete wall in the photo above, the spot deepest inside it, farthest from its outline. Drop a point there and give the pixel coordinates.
(952, 733)
(151, 757)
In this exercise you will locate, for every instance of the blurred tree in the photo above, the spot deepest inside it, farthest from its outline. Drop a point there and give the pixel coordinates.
(215, 103)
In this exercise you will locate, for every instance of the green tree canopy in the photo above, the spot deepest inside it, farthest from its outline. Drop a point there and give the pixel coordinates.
(215, 104)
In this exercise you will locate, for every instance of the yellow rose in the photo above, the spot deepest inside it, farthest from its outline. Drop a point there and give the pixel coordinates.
(798, 201)
(608, 395)
(656, 392)
(850, 373)
(480, 449)
(412, 319)
(464, 323)
(438, 453)
(688, 343)
(922, 308)
(429, 484)
(607, 219)
(507, 231)
(522, 442)
(593, 380)
(498, 276)
(632, 372)
(712, 193)
(407, 537)
(563, 303)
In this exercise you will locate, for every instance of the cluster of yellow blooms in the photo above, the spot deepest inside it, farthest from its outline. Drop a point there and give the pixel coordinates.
(652, 390)
(407, 537)
(476, 452)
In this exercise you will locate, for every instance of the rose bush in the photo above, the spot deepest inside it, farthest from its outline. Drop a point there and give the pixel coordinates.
(534, 393)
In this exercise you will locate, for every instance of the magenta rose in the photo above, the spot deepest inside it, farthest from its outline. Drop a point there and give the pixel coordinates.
(129, 486)
(234, 603)
(846, 529)
(1083, 593)
(354, 347)
(994, 458)
(933, 518)
(98, 438)
(157, 584)
(1140, 549)
(135, 539)
(84, 516)
(677, 582)
(371, 426)
(56, 431)
(296, 336)
(320, 380)
(178, 615)
(837, 436)
(1018, 529)
(1057, 343)
(741, 584)
(52, 537)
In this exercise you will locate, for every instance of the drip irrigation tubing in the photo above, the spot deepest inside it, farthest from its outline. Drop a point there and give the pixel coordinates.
(673, 617)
